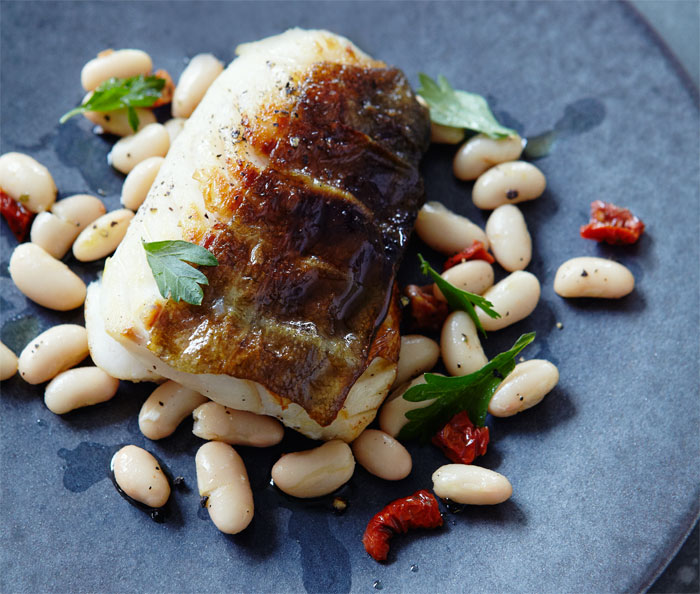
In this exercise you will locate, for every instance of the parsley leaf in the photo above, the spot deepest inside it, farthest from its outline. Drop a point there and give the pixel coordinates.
(120, 93)
(175, 278)
(458, 299)
(451, 395)
(459, 109)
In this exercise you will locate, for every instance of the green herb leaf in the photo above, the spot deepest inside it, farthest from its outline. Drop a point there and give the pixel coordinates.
(175, 278)
(451, 395)
(458, 299)
(120, 93)
(459, 109)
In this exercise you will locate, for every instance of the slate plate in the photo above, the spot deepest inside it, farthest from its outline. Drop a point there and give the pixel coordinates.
(605, 470)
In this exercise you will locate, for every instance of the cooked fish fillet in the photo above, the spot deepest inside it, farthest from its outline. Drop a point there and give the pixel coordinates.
(299, 171)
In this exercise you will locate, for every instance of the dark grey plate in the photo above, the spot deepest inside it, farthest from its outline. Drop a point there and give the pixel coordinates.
(605, 470)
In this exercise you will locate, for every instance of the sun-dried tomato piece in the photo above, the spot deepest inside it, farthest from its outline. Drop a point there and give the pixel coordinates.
(612, 224)
(419, 510)
(166, 94)
(460, 440)
(476, 251)
(18, 218)
(426, 312)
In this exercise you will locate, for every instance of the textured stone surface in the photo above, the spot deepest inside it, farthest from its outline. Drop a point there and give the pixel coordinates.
(604, 471)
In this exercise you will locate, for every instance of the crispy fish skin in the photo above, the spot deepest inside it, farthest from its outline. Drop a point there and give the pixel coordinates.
(299, 171)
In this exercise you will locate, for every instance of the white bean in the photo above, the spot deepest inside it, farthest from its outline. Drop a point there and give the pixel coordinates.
(445, 231)
(193, 84)
(480, 153)
(474, 276)
(236, 427)
(53, 351)
(166, 408)
(75, 388)
(140, 476)
(315, 472)
(8, 362)
(79, 210)
(445, 134)
(460, 346)
(27, 181)
(103, 236)
(53, 234)
(472, 485)
(593, 277)
(174, 126)
(152, 141)
(118, 64)
(508, 183)
(417, 355)
(392, 416)
(139, 181)
(515, 298)
(45, 280)
(522, 388)
(117, 122)
(381, 455)
(510, 240)
(223, 480)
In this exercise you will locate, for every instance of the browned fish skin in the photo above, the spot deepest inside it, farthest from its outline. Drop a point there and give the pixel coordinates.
(308, 260)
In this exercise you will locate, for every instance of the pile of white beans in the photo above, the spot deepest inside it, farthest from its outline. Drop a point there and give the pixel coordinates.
(81, 225)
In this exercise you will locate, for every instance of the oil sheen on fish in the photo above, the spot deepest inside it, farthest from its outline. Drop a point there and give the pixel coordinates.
(299, 171)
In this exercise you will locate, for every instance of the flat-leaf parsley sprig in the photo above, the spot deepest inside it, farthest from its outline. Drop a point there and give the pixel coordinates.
(120, 93)
(459, 109)
(176, 279)
(459, 299)
(451, 395)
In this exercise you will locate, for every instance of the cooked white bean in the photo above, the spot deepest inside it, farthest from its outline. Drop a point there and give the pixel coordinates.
(460, 346)
(166, 408)
(193, 84)
(515, 297)
(53, 351)
(8, 362)
(445, 134)
(117, 122)
(27, 181)
(75, 388)
(472, 485)
(140, 476)
(510, 240)
(593, 277)
(174, 126)
(474, 276)
(139, 181)
(237, 427)
(480, 153)
(392, 416)
(152, 141)
(522, 388)
(445, 231)
(103, 236)
(223, 480)
(53, 234)
(315, 472)
(381, 455)
(508, 183)
(122, 63)
(417, 355)
(45, 280)
(79, 210)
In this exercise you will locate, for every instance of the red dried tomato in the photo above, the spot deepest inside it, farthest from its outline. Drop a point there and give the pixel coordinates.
(460, 440)
(476, 251)
(18, 218)
(612, 224)
(425, 310)
(419, 510)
